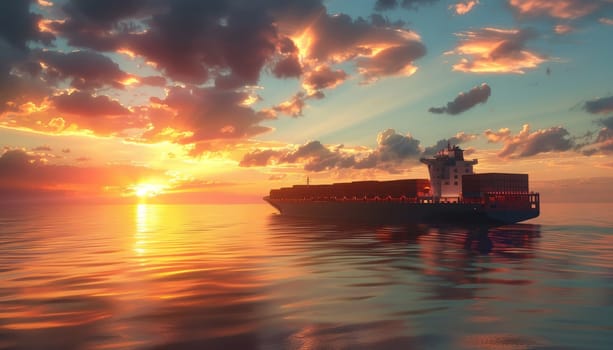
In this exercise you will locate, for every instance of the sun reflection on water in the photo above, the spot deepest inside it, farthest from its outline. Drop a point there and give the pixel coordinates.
(143, 227)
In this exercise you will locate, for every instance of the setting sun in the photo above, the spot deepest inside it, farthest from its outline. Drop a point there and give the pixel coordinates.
(148, 190)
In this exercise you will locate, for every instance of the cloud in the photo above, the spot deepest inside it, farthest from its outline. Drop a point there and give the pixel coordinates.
(464, 7)
(313, 155)
(84, 104)
(378, 51)
(526, 143)
(211, 52)
(288, 67)
(323, 77)
(84, 69)
(19, 83)
(495, 50)
(19, 25)
(384, 5)
(393, 152)
(560, 9)
(465, 101)
(603, 105)
(190, 115)
(392, 61)
(292, 107)
(43, 148)
(458, 139)
(562, 29)
(190, 41)
(20, 170)
(604, 139)
(393, 146)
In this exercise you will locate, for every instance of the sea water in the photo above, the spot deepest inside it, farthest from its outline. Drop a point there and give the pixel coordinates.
(242, 277)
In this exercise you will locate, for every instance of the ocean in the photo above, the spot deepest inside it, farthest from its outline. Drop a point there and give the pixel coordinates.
(242, 277)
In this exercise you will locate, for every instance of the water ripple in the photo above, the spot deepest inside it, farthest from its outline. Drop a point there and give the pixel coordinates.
(158, 277)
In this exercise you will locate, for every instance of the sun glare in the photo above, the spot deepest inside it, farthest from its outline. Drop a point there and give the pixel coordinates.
(145, 190)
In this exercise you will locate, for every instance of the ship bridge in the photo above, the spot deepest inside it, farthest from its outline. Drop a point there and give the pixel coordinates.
(446, 169)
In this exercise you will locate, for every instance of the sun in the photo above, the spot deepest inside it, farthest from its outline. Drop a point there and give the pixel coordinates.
(145, 190)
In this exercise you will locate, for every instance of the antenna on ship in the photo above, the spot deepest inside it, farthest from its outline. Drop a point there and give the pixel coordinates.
(308, 181)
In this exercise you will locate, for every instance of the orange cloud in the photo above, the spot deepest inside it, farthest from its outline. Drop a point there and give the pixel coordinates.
(495, 50)
(464, 7)
(21, 172)
(378, 47)
(563, 29)
(561, 9)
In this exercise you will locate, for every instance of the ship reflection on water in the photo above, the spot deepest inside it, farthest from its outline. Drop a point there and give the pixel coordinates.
(211, 277)
(483, 239)
(436, 283)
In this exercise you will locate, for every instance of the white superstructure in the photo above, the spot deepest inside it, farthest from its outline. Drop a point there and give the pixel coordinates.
(446, 170)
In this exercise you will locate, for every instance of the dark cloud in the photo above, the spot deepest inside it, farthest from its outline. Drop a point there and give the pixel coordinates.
(323, 77)
(17, 89)
(288, 67)
(84, 69)
(378, 20)
(195, 40)
(18, 25)
(607, 122)
(383, 5)
(223, 45)
(393, 146)
(392, 151)
(554, 139)
(602, 105)
(458, 139)
(103, 25)
(19, 83)
(103, 13)
(314, 155)
(382, 51)
(527, 143)
(200, 114)
(84, 104)
(44, 148)
(465, 101)
(603, 143)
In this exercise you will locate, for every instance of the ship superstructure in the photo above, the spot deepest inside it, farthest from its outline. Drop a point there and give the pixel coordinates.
(454, 193)
(446, 170)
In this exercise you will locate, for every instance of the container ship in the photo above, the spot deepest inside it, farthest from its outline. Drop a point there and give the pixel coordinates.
(452, 194)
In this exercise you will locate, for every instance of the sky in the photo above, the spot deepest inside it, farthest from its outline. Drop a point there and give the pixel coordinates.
(220, 101)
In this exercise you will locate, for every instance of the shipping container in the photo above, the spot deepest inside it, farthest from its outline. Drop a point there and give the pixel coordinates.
(411, 188)
(475, 185)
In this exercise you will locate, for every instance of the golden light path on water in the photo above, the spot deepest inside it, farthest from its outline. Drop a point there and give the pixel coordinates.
(238, 276)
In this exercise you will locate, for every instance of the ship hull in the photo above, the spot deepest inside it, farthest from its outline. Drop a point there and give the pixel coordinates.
(383, 211)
